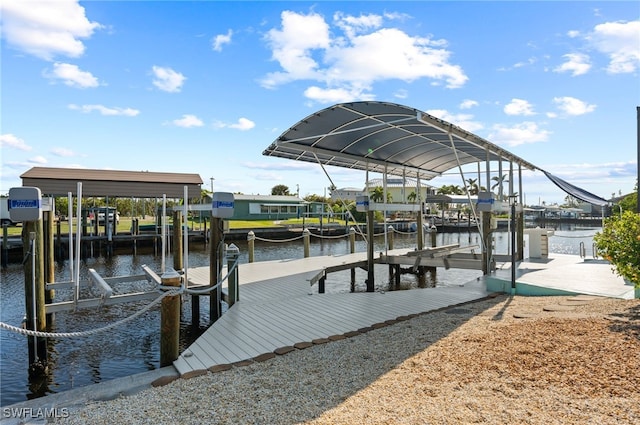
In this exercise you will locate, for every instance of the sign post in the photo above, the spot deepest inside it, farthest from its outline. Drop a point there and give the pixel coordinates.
(25, 204)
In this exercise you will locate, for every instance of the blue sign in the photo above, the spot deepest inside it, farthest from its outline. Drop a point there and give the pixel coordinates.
(223, 204)
(485, 201)
(24, 203)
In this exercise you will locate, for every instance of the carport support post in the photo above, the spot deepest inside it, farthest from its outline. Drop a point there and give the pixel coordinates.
(370, 274)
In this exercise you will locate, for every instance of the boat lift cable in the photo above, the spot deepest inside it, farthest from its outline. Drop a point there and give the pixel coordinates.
(473, 208)
(341, 199)
(121, 322)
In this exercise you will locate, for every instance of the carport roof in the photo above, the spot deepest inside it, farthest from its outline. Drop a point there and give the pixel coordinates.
(142, 184)
(385, 137)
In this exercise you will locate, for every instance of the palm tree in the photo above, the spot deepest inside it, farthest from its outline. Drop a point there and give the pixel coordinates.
(500, 180)
(412, 197)
(452, 189)
(378, 195)
(473, 186)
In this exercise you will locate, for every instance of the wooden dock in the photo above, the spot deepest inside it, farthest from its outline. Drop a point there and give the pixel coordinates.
(279, 309)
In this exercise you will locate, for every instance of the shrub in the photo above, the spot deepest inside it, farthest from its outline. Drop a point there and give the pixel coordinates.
(619, 242)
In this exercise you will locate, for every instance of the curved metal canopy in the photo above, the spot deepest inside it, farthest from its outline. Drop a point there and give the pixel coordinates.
(385, 137)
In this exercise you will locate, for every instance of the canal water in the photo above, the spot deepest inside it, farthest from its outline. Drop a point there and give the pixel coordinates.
(134, 347)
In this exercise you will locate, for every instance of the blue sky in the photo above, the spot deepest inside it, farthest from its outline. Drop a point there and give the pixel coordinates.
(204, 87)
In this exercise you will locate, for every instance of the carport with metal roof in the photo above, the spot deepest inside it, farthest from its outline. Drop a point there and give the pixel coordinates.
(140, 184)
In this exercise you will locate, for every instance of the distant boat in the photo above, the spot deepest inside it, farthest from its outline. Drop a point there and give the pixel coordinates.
(427, 227)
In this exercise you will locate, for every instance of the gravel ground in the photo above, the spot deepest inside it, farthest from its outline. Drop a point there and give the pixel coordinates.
(564, 360)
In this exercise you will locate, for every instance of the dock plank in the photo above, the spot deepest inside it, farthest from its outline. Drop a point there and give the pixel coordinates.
(277, 308)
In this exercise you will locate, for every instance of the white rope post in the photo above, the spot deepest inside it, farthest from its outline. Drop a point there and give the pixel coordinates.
(78, 236)
(70, 244)
(163, 236)
(185, 236)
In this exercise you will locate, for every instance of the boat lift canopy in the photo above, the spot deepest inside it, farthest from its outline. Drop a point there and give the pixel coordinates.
(386, 138)
(394, 139)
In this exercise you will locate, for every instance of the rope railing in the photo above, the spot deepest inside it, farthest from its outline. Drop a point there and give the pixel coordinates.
(278, 240)
(402, 233)
(118, 323)
(320, 236)
(330, 237)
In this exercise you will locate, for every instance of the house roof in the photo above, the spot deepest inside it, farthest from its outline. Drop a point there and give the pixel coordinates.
(288, 199)
(385, 137)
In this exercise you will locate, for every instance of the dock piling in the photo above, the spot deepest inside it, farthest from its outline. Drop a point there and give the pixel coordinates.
(251, 243)
(170, 320)
(233, 252)
(34, 294)
(306, 237)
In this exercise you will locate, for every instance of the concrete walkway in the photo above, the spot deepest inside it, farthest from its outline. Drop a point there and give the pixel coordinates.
(561, 274)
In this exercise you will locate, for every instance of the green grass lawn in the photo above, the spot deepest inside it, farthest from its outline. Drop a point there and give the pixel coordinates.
(124, 225)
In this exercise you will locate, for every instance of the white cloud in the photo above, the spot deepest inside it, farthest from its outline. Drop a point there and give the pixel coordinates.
(243, 124)
(220, 40)
(71, 76)
(352, 25)
(11, 141)
(38, 160)
(336, 95)
(63, 152)
(292, 47)
(597, 172)
(188, 121)
(519, 107)
(103, 110)
(572, 106)
(166, 79)
(577, 64)
(307, 48)
(519, 134)
(46, 29)
(468, 104)
(401, 94)
(619, 41)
